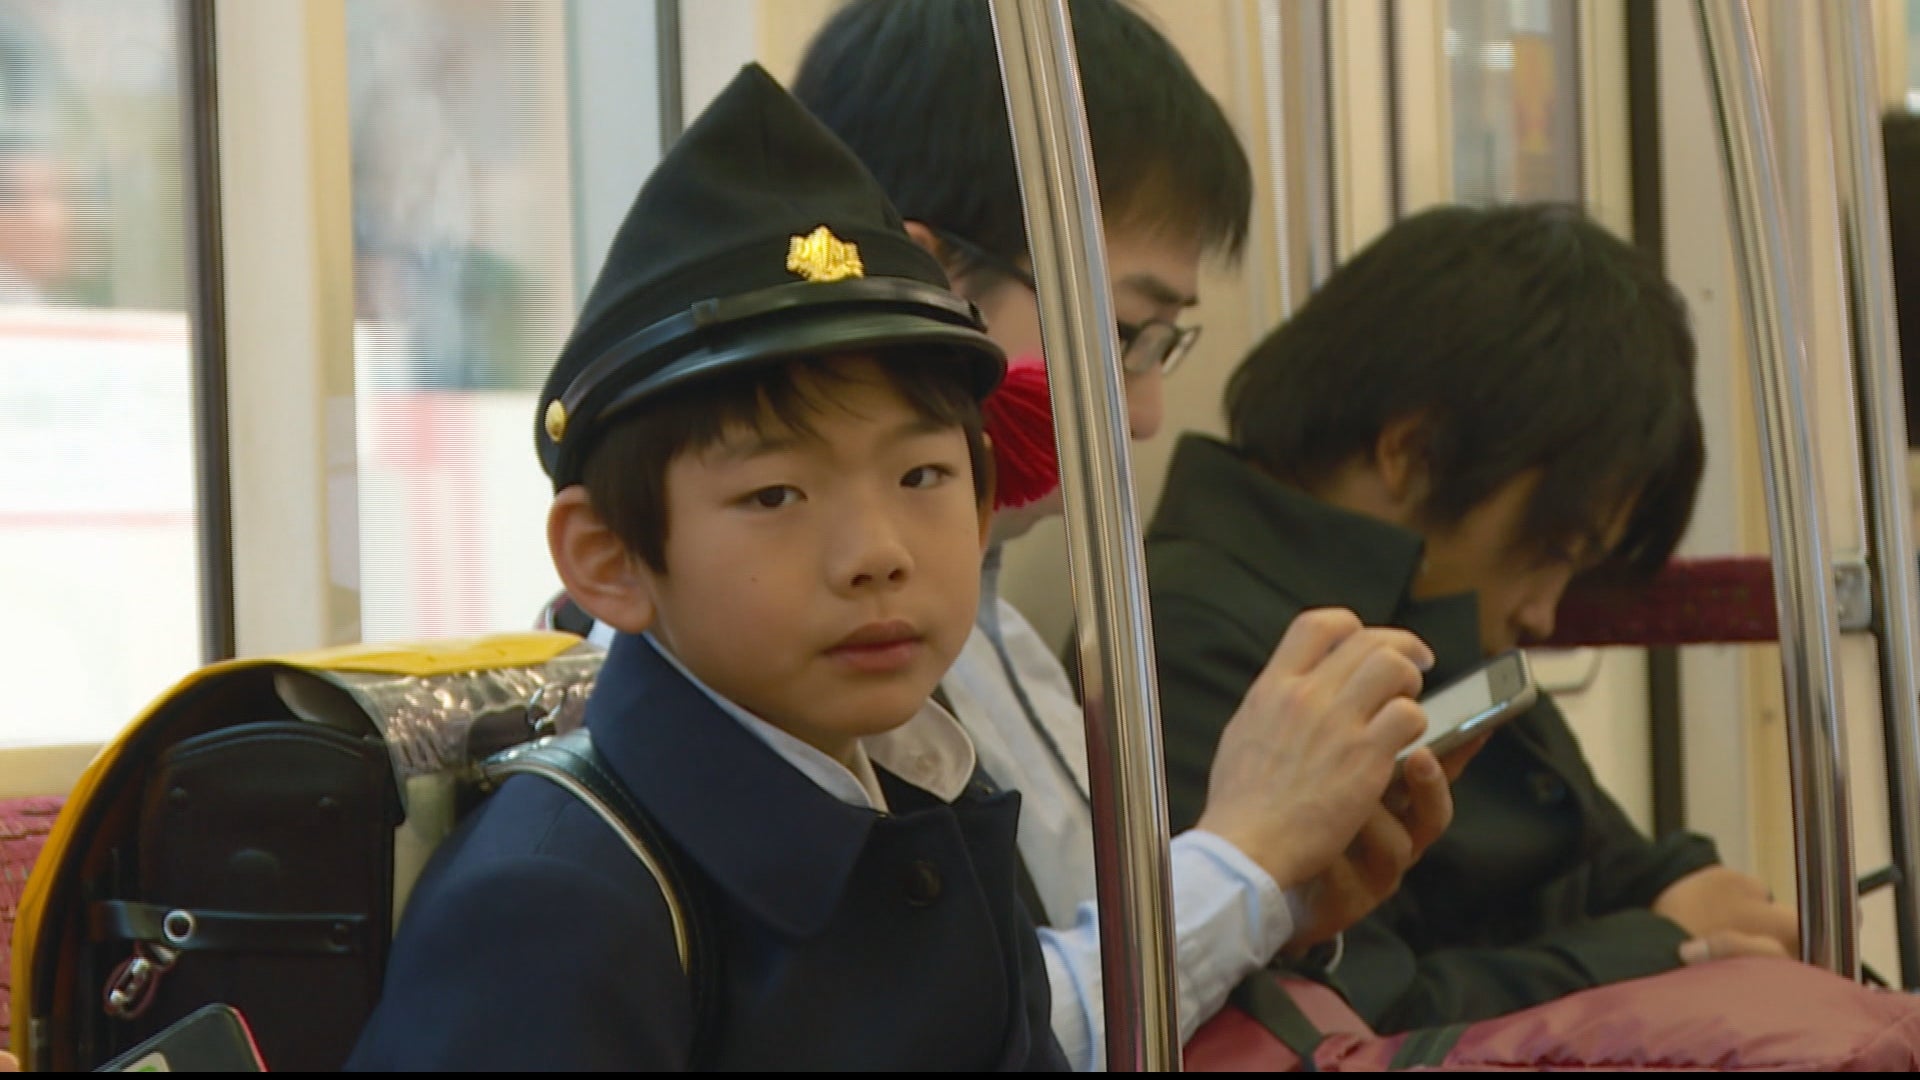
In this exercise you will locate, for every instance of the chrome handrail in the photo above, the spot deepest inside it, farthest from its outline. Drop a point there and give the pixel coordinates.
(1108, 567)
(1816, 733)
(1861, 190)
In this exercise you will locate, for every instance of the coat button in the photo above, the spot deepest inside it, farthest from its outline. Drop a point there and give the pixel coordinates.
(923, 884)
(1548, 789)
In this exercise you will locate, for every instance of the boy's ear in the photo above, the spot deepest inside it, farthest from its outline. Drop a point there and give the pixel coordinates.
(599, 573)
(923, 236)
(1400, 462)
(989, 487)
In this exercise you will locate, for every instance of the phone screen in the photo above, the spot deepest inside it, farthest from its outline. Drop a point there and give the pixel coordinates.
(1499, 690)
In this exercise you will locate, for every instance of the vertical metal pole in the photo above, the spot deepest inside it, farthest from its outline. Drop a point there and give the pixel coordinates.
(1861, 185)
(207, 317)
(1316, 109)
(1296, 69)
(1816, 734)
(1064, 228)
(668, 61)
(1273, 73)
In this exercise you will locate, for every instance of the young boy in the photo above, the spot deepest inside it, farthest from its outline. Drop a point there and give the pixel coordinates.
(764, 439)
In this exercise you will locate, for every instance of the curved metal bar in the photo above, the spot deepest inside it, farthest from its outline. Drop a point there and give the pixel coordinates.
(1860, 172)
(1064, 230)
(1816, 733)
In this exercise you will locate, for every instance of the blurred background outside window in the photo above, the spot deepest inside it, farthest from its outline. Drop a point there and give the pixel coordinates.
(1516, 99)
(98, 563)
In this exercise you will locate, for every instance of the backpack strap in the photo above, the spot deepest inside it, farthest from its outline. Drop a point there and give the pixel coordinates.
(1427, 1047)
(571, 762)
(1268, 1004)
(1266, 1001)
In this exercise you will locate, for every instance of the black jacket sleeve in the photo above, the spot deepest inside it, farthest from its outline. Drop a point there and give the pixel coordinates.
(1625, 870)
(1398, 991)
(1206, 662)
(503, 970)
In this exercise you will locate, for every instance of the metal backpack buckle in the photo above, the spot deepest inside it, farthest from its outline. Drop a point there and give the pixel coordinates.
(131, 987)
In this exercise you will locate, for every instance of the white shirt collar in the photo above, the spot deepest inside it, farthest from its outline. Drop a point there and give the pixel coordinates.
(930, 751)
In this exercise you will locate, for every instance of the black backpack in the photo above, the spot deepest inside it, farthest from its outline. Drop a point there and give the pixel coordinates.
(251, 839)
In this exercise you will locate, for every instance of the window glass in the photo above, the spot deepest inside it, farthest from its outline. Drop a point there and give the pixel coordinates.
(463, 246)
(1913, 55)
(1516, 99)
(99, 575)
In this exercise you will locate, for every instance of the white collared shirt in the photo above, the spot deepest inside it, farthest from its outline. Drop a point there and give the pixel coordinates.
(931, 751)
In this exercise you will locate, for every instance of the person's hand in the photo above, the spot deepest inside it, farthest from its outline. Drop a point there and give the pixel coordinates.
(8, 1063)
(1390, 842)
(1728, 913)
(1727, 944)
(1302, 765)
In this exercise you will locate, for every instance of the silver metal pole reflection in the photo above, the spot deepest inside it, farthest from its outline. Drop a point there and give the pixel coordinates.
(1296, 66)
(1048, 120)
(1273, 73)
(1816, 734)
(1860, 172)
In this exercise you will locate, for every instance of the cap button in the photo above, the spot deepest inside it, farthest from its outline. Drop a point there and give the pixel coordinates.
(556, 420)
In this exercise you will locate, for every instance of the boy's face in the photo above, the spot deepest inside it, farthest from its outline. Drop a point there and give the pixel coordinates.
(823, 581)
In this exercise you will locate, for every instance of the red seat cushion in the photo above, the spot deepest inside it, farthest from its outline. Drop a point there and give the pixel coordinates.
(24, 824)
(1692, 601)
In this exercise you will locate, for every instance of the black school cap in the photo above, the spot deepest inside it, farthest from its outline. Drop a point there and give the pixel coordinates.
(759, 237)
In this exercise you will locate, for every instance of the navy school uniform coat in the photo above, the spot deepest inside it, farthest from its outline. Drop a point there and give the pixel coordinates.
(844, 938)
(1540, 887)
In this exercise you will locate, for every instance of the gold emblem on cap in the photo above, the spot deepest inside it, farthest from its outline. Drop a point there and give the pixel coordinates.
(822, 256)
(556, 420)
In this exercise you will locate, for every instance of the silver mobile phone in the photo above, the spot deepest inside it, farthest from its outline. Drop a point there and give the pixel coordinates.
(1476, 703)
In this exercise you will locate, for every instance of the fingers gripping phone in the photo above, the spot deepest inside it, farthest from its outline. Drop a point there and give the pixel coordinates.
(1476, 703)
(211, 1039)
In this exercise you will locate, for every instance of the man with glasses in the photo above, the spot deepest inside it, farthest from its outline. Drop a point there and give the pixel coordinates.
(1294, 845)
(1155, 345)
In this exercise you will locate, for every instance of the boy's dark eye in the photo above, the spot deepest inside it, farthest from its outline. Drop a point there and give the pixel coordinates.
(773, 498)
(925, 476)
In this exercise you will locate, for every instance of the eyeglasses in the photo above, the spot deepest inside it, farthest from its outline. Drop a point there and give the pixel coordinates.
(1144, 347)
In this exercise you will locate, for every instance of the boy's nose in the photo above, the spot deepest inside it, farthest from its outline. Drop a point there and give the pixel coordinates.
(875, 555)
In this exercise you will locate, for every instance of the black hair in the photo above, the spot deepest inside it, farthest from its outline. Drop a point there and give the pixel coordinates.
(625, 473)
(913, 87)
(1901, 133)
(1520, 338)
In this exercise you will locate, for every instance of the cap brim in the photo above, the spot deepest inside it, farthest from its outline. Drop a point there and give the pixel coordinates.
(822, 333)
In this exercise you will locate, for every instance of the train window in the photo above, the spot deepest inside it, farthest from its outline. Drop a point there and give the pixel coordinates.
(465, 279)
(98, 558)
(1913, 55)
(1516, 99)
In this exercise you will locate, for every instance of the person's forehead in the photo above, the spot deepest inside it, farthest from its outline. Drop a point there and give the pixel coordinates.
(1159, 268)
